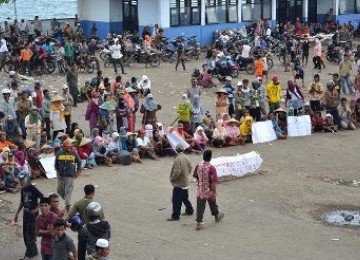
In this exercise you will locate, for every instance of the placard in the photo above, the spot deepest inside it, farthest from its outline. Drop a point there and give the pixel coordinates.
(263, 132)
(299, 125)
(174, 139)
(238, 166)
(49, 166)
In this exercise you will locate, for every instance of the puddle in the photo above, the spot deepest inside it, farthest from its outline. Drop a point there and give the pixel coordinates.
(342, 218)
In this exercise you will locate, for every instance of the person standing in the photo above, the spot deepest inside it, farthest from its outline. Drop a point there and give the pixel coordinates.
(69, 51)
(345, 69)
(180, 54)
(317, 55)
(44, 228)
(45, 113)
(37, 95)
(116, 56)
(206, 177)
(101, 250)
(3, 51)
(57, 118)
(68, 168)
(33, 124)
(68, 101)
(179, 178)
(72, 82)
(273, 92)
(30, 196)
(23, 107)
(37, 26)
(63, 245)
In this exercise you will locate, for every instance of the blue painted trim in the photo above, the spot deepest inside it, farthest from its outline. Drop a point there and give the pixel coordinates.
(103, 28)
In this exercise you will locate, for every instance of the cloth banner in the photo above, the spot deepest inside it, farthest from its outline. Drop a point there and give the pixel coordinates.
(49, 165)
(175, 139)
(239, 165)
(299, 126)
(263, 132)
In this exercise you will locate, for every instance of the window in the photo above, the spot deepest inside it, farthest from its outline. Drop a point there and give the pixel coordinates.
(185, 12)
(221, 11)
(347, 6)
(255, 9)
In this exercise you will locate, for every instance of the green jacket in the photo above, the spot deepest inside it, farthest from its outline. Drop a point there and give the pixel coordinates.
(180, 171)
(184, 112)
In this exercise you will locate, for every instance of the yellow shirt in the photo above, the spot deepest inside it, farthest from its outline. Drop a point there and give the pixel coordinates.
(273, 92)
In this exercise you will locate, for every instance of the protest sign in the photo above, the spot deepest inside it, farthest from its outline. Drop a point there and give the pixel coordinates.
(238, 166)
(299, 125)
(175, 139)
(263, 132)
(49, 165)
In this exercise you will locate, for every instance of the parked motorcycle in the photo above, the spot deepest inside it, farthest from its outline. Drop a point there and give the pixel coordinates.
(140, 56)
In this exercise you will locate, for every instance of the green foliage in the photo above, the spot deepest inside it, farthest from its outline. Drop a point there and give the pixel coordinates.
(4, 1)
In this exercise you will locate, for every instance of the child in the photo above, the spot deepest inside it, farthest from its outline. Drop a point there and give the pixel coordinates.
(317, 123)
(299, 74)
(55, 205)
(329, 124)
(25, 57)
(259, 66)
(245, 129)
(63, 245)
(277, 129)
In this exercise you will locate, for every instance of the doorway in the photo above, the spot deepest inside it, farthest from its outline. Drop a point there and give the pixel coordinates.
(130, 15)
(288, 10)
(312, 12)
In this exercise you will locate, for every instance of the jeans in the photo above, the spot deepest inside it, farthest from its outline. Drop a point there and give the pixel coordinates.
(346, 80)
(336, 118)
(29, 236)
(75, 98)
(22, 127)
(200, 208)
(179, 197)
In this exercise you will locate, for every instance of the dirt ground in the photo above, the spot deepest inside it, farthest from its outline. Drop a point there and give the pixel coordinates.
(269, 216)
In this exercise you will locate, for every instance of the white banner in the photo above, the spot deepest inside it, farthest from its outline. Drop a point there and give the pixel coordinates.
(263, 132)
(174, 139)
(239, 165)
(49, 165)
(299, 126)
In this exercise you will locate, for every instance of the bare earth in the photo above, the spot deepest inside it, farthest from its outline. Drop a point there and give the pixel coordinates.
(273, 215)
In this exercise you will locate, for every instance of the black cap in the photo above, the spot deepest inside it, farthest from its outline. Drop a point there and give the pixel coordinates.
(45, 200)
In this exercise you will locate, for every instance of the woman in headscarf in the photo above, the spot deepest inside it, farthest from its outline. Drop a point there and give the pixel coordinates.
(131, 146)
(161, 145)
(219, 134)
(317, 55)
(57, 119)
(37, 171)
(121, 114)
(233, 136)
(200, 139)
(149, 109)
(100, 151)
(294, 97)
(92, 111)
(113, 148)
(196, 113)
(184, 110)
(4, 154)
(246, 129)
(130, 103)
(33, 124)
(22, 164)
(144, 86)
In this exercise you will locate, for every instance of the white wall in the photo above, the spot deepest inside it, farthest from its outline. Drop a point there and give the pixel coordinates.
(164, 10)
(149, 11)
(323, 6)
(89, 9)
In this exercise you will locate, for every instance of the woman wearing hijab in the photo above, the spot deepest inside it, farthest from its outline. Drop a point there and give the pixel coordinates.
(105, 121)
(144, 86)
(246, 129)
(219, 134)
(294, 97)
(113, 148)
(196, 113)
(33, 125)
(222, 103)
(200, 139)
(57, 119)
(130, 103)
(149, 109)
(317, 55)
(92, 111)
(184, 110)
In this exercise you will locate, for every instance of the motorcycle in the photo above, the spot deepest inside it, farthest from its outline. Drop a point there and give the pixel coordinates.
(245, 64)
(333, 54)
(140, 56)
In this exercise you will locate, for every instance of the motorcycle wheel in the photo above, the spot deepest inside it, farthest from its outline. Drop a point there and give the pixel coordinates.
(130, 61)
(51, 66)
(250, 69)
(92, 65)
(196, 55)
(270, 63)
(103, 56)
(154, 61)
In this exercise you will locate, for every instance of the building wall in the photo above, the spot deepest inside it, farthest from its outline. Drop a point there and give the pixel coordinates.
(323, 7)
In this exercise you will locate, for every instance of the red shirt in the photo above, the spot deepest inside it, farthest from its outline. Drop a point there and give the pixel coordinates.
(46, 240)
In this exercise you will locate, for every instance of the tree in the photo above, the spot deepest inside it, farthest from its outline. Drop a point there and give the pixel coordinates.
(4, 1)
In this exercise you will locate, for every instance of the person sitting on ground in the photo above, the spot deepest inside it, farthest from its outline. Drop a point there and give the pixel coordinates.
(233, 136)
(219, 134)
(329, 124)
(246, 129)
(161, 144)
(145, 147)
(345, 115)
(281, 119)
(113, 148)
(131, 145)
(206, 79)
(208, 124)
(200, 139)
(317, 123)
(86, 153)
(5, 143)
(8, 180)
(37, 170)
(277, 129)
(100, 151)
(187, 138)
(307, 109)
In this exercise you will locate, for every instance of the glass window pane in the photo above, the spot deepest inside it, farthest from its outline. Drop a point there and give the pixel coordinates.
(358, 6)
(184, 16)
(196, 16)
(174, 17)
(211, 16)
(233, 13)
(346, 6)
(266, 11)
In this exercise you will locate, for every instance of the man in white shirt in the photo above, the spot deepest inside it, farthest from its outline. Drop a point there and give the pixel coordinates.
(37, 26)
(246, 49)
(116, 56)
(23, 27)
(145, 147)
(3, 51)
